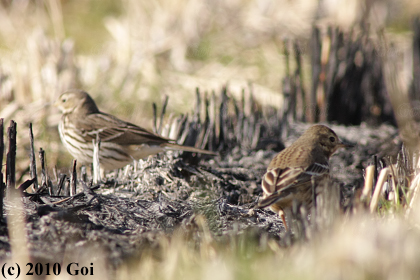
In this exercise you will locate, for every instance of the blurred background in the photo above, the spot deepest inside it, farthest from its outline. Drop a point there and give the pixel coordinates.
(351, 62)
(130, 53)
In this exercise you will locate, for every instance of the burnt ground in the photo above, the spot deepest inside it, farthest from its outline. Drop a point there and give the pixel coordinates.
(133, 208)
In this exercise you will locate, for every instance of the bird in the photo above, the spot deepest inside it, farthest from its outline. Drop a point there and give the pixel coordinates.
(121, 142)
(293, 172)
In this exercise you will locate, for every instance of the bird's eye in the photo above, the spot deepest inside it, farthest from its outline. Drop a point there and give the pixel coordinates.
(332, 139)
(63, 100)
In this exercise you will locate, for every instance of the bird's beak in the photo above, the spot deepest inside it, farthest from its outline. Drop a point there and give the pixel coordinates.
(345, 145)
(56, 103)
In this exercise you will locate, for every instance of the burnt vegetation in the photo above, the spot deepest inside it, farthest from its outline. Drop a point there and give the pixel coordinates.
(131, 209)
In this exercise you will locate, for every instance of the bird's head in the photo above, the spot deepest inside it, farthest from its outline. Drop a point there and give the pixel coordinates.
(325, 138)
(76, 101)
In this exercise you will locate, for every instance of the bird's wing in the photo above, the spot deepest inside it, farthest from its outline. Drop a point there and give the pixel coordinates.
(112, 129)
(279, 183)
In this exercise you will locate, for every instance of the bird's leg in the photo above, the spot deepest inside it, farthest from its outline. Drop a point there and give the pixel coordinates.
(283, 218)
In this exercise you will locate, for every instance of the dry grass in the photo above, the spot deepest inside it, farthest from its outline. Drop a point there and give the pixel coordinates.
(129, 53)
(360, 248)
(363, 245)
(134, 52)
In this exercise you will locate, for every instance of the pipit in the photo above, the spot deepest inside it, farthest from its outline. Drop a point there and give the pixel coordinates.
(294, 171)
(121, 142)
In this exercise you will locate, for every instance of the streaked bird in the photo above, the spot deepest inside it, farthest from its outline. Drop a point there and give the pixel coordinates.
(121, 141)
(292, 172)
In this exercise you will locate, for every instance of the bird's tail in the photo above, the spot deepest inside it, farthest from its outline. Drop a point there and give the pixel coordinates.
(172, 146)
(269, 200)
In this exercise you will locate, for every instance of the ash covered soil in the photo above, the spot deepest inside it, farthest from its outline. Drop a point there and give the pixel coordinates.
(133, 208)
